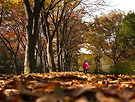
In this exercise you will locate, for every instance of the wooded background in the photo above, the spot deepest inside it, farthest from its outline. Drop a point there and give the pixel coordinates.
(47, 35)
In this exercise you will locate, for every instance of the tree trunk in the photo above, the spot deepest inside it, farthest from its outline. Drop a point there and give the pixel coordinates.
(98, 64)
(41, 64)
(16, 68)
(61, 63)
(50, 57)
(58, 52)
(46, 68)
(31, 33)
(29, 64)
(65, 61)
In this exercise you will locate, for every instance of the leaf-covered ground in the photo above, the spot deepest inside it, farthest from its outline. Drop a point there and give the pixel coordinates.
(67, 87)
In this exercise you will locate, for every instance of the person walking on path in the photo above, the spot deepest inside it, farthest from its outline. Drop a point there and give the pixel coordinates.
(85, 67)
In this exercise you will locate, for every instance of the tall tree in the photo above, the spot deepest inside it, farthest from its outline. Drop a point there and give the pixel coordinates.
(103, 35)
(50, 25)
(68, 16)
(11, 35)
(32, 15)
(127, 31)
(73, 41)
(51, 19)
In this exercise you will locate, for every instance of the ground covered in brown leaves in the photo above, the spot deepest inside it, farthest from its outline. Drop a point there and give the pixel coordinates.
(67, 87)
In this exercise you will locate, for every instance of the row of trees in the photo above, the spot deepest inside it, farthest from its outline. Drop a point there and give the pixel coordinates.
(112, 37)
(47, 34)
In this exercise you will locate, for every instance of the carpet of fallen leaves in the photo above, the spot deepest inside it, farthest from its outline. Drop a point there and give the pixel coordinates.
(67, 87)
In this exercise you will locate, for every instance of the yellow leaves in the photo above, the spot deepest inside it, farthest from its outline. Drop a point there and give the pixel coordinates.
(76, 81)
(9, 2)
(42, 75)
(48, 2)
(98, 85)
(113, 82)
(84, 76)
(15, 1)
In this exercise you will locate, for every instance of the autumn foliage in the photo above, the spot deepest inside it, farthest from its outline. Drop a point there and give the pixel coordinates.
(40, 56)
(67, 87)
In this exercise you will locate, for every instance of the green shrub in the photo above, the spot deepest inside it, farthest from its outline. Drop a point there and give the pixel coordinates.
(123, 68)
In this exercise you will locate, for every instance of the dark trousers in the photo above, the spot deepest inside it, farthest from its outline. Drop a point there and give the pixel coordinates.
(85, 71)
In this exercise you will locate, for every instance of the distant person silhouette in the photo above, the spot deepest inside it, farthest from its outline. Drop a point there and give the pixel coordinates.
(85, 67)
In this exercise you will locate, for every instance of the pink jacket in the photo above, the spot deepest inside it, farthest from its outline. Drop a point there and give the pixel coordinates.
(85, 65)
